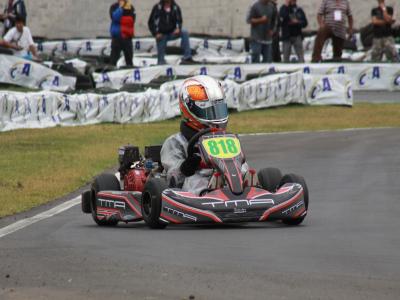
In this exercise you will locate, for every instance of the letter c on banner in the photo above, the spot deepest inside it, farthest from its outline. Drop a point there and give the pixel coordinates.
(361, 80)
(397, 80)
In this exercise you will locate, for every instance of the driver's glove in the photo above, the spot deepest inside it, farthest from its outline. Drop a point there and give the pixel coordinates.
(190, 165)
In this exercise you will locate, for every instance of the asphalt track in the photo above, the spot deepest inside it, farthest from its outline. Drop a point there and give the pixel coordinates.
(347, 248)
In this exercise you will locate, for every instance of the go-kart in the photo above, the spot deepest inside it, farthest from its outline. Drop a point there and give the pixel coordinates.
(230, 197)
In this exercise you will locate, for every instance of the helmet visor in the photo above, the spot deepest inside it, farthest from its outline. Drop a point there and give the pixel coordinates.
(216, 112)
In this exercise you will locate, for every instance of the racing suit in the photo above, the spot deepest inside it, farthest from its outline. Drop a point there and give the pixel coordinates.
(174, 154)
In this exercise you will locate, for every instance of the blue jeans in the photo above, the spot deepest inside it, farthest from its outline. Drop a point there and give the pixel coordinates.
(258, 49)
(162, 44)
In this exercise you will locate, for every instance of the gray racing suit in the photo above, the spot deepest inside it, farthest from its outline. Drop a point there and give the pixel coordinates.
(173, 154)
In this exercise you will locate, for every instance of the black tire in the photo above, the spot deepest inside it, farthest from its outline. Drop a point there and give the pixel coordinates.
(151, 202)
(269, 179)
(85, 202)
(104, 182)
(293, 178)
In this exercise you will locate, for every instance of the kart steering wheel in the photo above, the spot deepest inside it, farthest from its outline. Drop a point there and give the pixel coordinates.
(193, 141)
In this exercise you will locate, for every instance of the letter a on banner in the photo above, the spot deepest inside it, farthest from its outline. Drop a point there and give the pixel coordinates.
(170, 72)
(238, 73)
(341, 70)
(136, 75)
(326, 85)
(203, 71)
(376, 73)
(105, 77)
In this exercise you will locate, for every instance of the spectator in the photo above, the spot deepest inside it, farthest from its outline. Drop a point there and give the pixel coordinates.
(13, 9)
(20, 39)
(383, 42)
(122, 30)
(293, 20)
(276, 50)
(165, 24)
(332, 24)
(261, 17)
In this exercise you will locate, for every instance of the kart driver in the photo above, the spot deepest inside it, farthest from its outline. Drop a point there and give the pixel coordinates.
(203, 105)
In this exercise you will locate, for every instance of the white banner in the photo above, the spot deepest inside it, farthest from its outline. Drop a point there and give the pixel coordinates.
(18, 71)
(48, 109)
(102, 47)
(328, 90)
(363, 76)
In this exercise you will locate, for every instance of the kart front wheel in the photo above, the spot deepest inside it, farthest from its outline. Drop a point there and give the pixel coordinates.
(269, 179)
(293, 178)
(151, 202)
(104, 182)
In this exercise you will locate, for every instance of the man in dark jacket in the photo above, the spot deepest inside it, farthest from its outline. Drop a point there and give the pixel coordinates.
(293, 20)
(165, 24)
(122, 31)
(13, 9)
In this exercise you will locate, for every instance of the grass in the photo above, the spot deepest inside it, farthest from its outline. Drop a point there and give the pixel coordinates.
(37, 166)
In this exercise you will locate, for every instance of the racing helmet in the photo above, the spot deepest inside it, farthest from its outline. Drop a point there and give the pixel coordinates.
(202, 103)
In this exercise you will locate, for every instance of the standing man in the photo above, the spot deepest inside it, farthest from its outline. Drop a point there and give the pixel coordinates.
(383, 42)
(13, 9)
(165, 24)
(332, 24)
(293, 20)
(122, 31)
(261, 17)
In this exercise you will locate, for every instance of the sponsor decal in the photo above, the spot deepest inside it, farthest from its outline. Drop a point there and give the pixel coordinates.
(369, 74)
(49, 81)
(229, 45)
(20, 70)
(180, 214)
(307, 70)
(137, 45)
(320, 88)
(170, 72)
(105, 77)
(135, 76)
(112, 203)
(203, 71)
(396, 81)
(205, 44)
(349, 92)
(235, 203)
(293, 208)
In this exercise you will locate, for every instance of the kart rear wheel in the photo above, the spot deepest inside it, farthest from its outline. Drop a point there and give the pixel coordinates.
(151, 202)
(104, 182)
(269, 179)
(293, 178)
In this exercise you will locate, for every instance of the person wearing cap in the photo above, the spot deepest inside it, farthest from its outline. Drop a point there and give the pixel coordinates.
(20, 39)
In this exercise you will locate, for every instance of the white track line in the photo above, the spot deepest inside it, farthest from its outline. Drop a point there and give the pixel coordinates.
(71, 203)
(316, 131)
(42, 216)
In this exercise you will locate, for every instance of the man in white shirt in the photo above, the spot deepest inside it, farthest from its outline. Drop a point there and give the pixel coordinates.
(20, 36)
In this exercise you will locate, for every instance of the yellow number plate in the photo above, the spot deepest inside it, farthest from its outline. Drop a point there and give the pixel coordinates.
(223, 147)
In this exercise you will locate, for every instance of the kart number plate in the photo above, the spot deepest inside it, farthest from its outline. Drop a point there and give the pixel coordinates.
(223, 147)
